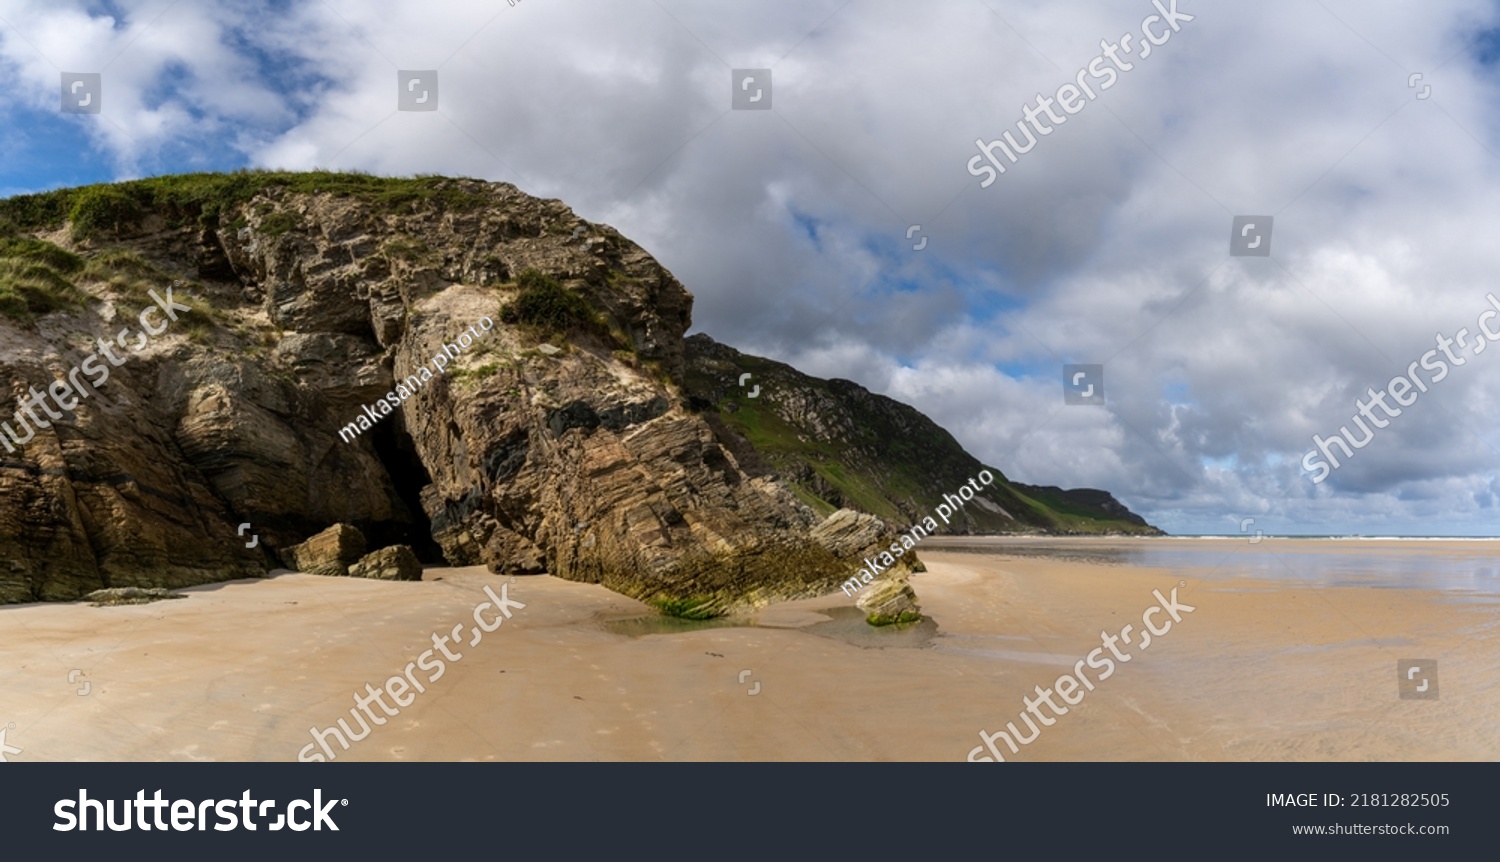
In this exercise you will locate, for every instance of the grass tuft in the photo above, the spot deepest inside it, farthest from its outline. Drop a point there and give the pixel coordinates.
(39, 251)
(98, 210)
(278, 223)
(545, 305)
(29, 288)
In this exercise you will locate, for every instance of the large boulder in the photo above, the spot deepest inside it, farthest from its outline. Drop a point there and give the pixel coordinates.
(396, 563)
(889, 599)
(330, 552)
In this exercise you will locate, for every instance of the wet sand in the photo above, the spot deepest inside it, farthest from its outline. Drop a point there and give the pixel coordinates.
(1261, 670)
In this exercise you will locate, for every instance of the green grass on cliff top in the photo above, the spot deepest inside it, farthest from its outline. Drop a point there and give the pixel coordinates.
(185, 197)
(36, 278)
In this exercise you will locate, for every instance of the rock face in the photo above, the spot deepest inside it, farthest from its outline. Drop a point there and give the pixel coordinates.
(330, 552)
(396, 563)
(314, 295)
(449, 365)
(849, 533)
(853, 536)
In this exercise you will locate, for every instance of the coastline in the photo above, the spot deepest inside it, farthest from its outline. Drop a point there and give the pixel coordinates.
(1263, 669)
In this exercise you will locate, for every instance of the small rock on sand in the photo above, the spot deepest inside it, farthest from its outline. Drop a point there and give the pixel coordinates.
(130, 596)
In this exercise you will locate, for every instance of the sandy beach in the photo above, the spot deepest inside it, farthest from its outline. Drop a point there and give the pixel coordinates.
(1262, 669)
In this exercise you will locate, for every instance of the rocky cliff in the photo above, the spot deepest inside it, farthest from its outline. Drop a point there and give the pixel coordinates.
(292, 381)
(839, 445)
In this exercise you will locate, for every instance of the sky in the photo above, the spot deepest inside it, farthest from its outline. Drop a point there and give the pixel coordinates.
(847, 224)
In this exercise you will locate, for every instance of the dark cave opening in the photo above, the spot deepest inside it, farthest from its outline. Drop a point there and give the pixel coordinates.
(398, 455)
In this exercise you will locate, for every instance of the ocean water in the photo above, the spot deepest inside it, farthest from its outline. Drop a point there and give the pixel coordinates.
(1462, 566)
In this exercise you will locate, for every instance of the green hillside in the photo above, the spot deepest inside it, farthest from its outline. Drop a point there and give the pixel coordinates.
(839, 445)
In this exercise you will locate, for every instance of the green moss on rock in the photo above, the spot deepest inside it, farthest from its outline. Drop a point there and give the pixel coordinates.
(893, 619)
(695, 608)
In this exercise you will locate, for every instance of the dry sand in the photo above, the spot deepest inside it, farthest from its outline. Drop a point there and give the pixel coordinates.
(1262, 670)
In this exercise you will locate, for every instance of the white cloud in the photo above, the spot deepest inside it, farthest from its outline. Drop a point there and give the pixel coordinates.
(1107, 243)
